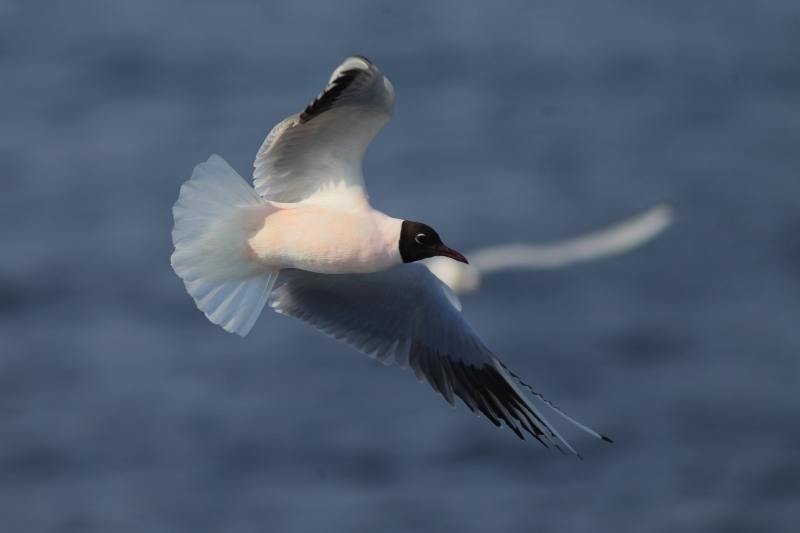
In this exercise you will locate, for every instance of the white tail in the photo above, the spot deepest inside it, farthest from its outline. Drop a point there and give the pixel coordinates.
(216, 213)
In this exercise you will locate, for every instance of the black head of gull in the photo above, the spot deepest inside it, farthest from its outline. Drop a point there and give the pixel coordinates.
(420, 241)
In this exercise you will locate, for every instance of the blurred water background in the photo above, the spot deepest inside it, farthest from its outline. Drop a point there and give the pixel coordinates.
(123, 409)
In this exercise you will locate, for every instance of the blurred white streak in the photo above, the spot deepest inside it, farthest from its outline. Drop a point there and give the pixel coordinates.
(614, 240)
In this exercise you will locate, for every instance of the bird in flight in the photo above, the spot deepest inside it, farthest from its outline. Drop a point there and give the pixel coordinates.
(306, 241)
(622, 237)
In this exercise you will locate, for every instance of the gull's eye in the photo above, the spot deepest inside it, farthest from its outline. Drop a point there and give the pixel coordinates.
(421, 238)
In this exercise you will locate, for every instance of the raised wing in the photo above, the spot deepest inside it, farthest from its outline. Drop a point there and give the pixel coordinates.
(319, 151)
(407, 316)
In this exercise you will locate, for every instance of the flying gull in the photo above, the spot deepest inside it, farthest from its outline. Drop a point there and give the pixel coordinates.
(306, 241)
(617, 239)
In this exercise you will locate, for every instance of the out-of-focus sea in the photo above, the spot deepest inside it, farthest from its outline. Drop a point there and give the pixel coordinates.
(123, 409)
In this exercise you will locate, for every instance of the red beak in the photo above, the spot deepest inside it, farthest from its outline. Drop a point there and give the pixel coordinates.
(452, 254)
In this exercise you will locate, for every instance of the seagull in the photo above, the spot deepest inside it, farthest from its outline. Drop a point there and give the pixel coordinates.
(464, 278)
(306, 240)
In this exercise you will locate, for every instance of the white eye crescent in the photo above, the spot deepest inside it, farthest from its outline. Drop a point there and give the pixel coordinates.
(421, 238)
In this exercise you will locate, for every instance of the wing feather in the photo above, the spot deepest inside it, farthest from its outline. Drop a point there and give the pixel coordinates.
(403, 315)
(318, 153)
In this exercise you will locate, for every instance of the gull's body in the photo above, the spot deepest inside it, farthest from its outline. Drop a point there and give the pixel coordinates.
(306, 240)
(326, 239)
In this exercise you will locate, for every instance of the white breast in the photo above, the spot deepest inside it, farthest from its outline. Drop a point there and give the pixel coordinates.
(327, 239)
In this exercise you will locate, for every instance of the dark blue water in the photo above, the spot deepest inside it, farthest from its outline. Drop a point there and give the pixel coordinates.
(122, 409)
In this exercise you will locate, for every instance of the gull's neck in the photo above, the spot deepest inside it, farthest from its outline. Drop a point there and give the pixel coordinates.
(390, 231)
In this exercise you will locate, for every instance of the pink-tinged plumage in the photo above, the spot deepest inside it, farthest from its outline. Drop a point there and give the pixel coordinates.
(327, 239)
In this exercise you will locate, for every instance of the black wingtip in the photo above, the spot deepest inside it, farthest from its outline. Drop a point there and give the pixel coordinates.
(330, 95)
(606, 439)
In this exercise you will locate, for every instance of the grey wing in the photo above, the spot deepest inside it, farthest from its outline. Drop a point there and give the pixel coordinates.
(407, 316)
(320, 150)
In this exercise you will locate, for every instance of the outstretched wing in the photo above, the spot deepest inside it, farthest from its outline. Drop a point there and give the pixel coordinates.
(614, 240)
(319, 152)
(407, 316)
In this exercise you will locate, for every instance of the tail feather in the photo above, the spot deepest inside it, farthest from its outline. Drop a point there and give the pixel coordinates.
(234, 305)
(216, 213)
(222, 184)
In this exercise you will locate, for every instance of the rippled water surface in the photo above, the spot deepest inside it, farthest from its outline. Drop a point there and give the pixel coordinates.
(122, 409)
